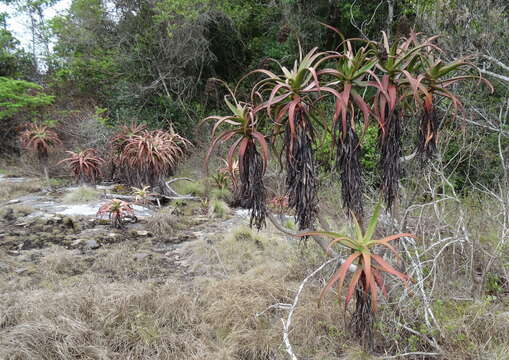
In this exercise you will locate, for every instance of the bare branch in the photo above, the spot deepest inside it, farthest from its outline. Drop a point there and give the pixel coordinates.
(498, 76)
(496, 61)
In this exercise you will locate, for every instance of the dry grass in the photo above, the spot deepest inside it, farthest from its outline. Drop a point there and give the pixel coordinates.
(16, 210)
(163, 223)
(11, 190)
(107, 305)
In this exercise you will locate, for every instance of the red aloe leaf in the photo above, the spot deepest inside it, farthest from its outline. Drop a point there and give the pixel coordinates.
(353, 284)
(242, 150)
(370, 283)
(291, 115)
(231, 151)
(379, 281)
(363, 106)
(393, 237)
(384, 265)
(213, 145)
(339, 276)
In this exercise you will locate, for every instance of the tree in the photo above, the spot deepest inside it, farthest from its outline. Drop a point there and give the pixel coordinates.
(19, 100)
(20, 95)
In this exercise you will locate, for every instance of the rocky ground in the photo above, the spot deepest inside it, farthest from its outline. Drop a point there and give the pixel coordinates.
(36, 226)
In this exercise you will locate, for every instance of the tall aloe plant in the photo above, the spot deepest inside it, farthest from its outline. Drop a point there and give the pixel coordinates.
(39, 139)
(252, 150)
(349, 78)
(435, 76)
(289, 101)
(395, 61)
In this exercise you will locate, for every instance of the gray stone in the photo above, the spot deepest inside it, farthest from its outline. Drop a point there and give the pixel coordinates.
(20, 270)
(4, 267)
(92, 244)
(142, 256)
(180, 239)
(162, 249)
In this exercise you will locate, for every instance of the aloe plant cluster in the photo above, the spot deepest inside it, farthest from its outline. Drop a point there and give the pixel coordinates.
(139, 157)
(385, 83)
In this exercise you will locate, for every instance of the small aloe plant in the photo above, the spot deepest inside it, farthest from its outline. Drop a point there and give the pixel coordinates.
(368, 275)
(142, 194)
(118, 211)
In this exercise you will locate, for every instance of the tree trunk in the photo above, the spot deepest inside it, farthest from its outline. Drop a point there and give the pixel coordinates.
(363, 316)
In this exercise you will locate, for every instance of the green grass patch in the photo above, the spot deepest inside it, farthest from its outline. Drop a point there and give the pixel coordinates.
(194, 188)
(83, 194)
(218, 209)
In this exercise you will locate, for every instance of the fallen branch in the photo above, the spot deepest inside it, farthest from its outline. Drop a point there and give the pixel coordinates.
(417, 353)
(498, 76)
(496, 61)
(178, 179)
(153, 199)
(170, 190)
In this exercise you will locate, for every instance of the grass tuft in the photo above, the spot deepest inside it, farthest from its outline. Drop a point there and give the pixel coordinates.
(163, 222)
(222, 194)
(82, 194)
(218, 209)
(194, 188)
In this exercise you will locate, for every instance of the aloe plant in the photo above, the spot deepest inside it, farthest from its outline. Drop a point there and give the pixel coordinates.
(150, 156)
(118, 212)
(370, 267)
(39, 139)
(288, 101)
(253, 153)
(433, 82)
(85, 165)
(349, 78)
